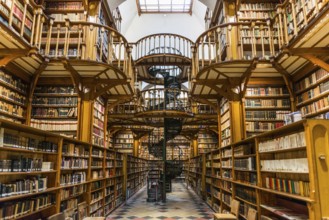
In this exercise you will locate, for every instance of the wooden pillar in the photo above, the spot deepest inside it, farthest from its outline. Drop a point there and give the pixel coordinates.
(195, 146)
(86, 120)
(136, 147)
(237, 123)
(125, 176)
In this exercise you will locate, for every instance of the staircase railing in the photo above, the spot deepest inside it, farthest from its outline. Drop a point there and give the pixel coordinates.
(155, 99)
(162, 44)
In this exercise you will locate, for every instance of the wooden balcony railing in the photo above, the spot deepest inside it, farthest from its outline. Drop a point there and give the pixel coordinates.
(164, 99)
(162, 44)
(234, 41)
(293, 16)
(87, 41)
(25, 18)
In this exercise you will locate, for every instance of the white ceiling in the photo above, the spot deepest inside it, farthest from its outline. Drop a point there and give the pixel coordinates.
(135, 27)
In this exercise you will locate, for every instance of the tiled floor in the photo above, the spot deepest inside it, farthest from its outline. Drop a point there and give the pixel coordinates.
(181, 204)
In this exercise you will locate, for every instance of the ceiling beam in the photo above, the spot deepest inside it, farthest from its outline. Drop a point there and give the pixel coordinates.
(76, 78)
(316, 51)
(317, 61)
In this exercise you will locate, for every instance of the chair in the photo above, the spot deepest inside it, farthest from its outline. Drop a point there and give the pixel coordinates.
(252, 214)
(58, 216)
(228, 216)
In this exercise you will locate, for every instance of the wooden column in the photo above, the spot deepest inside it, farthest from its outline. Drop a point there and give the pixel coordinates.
(86, 120)
(125, 176)
(237, 123)
(136, 147)
(195, 146)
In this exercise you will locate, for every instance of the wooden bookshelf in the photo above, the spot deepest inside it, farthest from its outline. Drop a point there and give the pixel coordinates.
(265, 108)
(137, 169)
(207, 141)
(225, 122)
(55, 108)
(69, 175)
(276, 172)
(256, 11)
(13, 97)
(98, 136)
(194, 174)
(124, 141)
(312, 94)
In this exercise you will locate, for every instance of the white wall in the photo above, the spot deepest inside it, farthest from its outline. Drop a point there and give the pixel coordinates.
(135, 27)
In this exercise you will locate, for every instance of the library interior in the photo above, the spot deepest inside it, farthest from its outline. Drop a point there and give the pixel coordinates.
(164, 109)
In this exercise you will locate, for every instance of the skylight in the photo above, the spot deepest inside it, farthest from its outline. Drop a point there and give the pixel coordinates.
(164, 6)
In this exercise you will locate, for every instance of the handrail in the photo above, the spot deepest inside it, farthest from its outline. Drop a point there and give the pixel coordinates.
(15, 13)
(163, 43)
(87, 41)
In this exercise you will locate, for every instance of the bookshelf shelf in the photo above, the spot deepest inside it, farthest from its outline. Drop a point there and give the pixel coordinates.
(313, 99)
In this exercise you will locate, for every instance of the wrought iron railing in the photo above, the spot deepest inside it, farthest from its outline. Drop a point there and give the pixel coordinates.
(162, 44)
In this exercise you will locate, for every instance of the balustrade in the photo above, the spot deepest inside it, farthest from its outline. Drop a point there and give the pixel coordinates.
(162, 44)
(87, 41)
(25, 18)
(165, 99)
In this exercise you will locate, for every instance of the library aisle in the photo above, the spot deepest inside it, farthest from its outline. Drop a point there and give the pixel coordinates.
(181, 204)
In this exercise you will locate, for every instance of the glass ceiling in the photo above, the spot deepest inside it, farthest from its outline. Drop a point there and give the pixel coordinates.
(164, 6)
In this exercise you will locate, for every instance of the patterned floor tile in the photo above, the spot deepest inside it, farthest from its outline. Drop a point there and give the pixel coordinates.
(182, 203)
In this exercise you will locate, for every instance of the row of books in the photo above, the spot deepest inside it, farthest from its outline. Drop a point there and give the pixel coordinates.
(257, 6)
(96, 196)
(246, 193)
(99, 141)
(23, 186)
(70, 149)
(266, 115)
(12, 109)
(97, 153)
(44, 90)
(64, 5)
(286, 142)
(99, 106)
(96, 174)
(312, 93)
(69, 204)
(225, 117)
(25, 164)
(266, 91)
(99, 122)
(245, 164)
(72, 191)
(69, 16)
(315, 106)
(96, 164)
(12, 81)
(262, 126)
(310, 80)
(28, 143)
(227, 163)
(246, 177)
(256, 14)
(267, 103)
(12, 210)
(289, 186)
(54, 125)
(73, 178)
(54, 112)
(242, 150)
(295, 165)
(72, 163)
(12, 95)
(67, 101)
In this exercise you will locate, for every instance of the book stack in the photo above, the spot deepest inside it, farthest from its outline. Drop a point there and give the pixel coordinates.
(72, 191)
(286, 142)
(72, 178)
(23, 186)
(296, 165)
(25, 164)
(289, 186)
